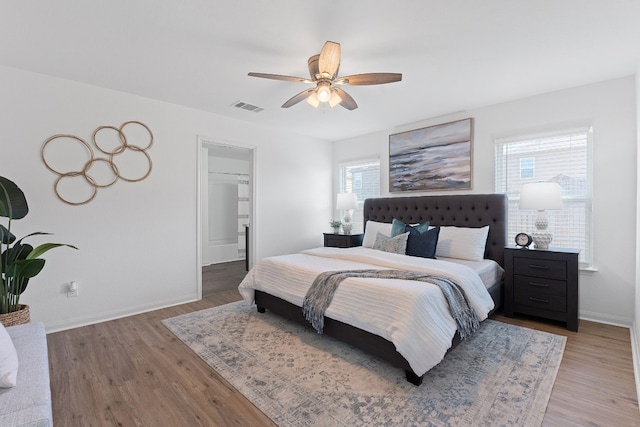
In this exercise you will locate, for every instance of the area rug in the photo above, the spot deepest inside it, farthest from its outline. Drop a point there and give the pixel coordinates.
(502, 375)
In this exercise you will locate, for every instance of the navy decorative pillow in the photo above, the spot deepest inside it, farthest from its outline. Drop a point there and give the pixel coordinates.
(422, 244)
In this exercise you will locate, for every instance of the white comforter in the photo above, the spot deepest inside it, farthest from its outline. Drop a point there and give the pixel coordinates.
(413, 315)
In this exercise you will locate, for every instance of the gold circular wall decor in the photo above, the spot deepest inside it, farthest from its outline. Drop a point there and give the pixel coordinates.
(92, 181)
(80, 140)
(73, 175)
(121, 147)
(84, 171)
(140, 150)
(133, 122)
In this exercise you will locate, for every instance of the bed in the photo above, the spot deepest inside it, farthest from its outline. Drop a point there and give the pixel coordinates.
(469, 212)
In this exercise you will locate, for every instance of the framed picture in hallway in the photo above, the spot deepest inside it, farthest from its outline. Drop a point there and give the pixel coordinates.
(431, 158)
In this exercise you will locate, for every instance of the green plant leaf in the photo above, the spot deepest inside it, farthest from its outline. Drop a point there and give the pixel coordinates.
(24, 268)
(6, 237)
(19, 285)
(13, 203)
(39, 250)
(16, 252)
(36, 233)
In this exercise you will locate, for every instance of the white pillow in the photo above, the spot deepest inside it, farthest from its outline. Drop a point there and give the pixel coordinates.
(462, 243)
(371, 231)
(8, 360)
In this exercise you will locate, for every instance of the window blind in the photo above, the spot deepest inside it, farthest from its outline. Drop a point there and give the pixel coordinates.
(563, 157)
(361, 177)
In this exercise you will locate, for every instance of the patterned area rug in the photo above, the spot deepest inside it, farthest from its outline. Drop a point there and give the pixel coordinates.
(502, 375)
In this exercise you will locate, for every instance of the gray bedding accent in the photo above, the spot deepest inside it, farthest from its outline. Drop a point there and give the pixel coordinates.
(324, 286)
(29, 402)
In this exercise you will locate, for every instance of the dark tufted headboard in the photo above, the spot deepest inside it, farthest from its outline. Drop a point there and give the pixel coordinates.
(469, 210)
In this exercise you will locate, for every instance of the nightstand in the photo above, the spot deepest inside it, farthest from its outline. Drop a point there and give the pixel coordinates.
(542, 283)
(342, 240)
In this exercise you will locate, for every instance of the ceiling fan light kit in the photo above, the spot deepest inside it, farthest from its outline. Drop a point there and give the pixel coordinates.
(335, 99)
(323, 89)
(313, 100)
(323, 69)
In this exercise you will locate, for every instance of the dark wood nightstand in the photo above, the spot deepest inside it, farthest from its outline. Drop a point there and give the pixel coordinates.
(342, 240)
(542, 283)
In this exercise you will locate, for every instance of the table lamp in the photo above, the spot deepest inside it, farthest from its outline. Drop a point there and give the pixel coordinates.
(347, 202)
(541, 196)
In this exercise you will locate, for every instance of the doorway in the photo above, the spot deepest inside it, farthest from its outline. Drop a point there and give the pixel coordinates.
(226, 196)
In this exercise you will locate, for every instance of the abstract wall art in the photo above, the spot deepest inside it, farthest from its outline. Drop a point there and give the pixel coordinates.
(431, 158)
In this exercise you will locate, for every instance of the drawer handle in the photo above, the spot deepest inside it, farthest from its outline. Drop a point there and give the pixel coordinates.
(538, 285)
(539, 267)
(534, 299)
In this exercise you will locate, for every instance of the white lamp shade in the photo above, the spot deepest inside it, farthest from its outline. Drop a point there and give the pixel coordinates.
(313, 100)
(346, 201)
(335, 99)
(541, 196)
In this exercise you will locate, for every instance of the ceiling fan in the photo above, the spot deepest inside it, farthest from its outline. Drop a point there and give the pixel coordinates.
(323, 69)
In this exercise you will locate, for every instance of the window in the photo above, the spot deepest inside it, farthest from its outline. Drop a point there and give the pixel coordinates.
(527, 167)
(362, 178)
(563, 157)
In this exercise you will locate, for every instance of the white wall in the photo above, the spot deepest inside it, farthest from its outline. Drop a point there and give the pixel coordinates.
(138, 240)
(608, 294)
(635, 330)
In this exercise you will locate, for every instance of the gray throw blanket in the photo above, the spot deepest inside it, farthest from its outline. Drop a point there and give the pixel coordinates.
(324, 286)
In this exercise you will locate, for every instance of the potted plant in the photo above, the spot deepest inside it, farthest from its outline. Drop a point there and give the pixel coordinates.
(335, 224)
(19, 261)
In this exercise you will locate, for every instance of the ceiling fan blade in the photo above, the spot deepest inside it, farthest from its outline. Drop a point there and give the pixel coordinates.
(299, 97)
(347, 101)
(329, 59)
(280, 77)
(313, 67)
(369, 79)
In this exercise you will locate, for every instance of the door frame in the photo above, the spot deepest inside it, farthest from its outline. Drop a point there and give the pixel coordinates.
(203, 143)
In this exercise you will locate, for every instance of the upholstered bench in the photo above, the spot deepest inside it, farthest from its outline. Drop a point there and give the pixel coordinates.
(28, 403)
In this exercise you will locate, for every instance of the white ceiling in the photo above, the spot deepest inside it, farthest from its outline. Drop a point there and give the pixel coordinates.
(454, 54)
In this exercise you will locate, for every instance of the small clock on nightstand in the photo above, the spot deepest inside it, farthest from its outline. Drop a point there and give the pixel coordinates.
(523, 240)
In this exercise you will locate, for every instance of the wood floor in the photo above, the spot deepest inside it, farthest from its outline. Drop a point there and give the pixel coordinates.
(222, 277)
(134, 372)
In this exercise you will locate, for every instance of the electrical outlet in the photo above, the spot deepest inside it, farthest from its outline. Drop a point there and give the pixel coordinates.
(72, 290)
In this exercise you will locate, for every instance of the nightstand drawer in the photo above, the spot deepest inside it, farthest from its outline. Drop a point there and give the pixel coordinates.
(538, 285)
(336, 242)
(540, 268)
(538, 300)
(342, 240)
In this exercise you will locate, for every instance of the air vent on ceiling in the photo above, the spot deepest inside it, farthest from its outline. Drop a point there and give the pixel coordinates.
(248, 107)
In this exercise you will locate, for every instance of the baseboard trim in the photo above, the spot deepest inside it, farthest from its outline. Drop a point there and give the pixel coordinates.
(607, 319)
(77, 322)
(636, 357)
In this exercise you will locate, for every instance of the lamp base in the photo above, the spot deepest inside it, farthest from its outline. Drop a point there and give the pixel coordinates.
(541, 237)
(347, 227)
